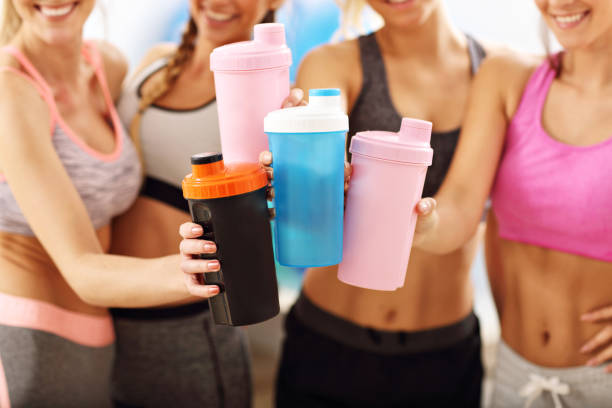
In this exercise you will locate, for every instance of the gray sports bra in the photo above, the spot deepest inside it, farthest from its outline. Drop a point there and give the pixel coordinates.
(169, 138)
(107, 183)
(375, 110)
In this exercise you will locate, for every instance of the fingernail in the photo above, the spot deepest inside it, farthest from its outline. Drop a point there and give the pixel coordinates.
(585, 348)
(214, 290)
(586, 316)
(196, 230)
(213, 265)
(592, 362)
(289, 104)
(209, 247)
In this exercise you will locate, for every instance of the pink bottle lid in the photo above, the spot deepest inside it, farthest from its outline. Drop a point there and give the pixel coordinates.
(267, 50)
(409, 145)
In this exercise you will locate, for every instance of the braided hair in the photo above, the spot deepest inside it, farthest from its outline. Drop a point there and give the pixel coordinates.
(171, 72)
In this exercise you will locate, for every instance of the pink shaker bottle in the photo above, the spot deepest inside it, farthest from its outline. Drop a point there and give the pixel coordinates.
(251, 80)
(386, 184)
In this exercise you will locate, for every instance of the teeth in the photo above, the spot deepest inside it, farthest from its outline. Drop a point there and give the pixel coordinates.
(56, 11)
(570, 19)
(218, 16)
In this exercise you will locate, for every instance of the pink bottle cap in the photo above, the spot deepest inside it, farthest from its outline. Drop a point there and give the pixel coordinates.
(409, 145)
(267, 50)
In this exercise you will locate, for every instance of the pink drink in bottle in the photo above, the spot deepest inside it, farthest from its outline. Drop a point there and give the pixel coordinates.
(251, 80)
(386, 184)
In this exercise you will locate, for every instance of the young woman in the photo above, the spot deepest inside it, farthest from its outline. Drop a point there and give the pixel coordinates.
(420, 345)
(176, 355)
(67, 168)
(539, 134)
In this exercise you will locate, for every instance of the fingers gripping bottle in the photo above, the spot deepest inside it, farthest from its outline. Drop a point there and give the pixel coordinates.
(230, 204)
(251, 79)
(386, 184)
(307, 145)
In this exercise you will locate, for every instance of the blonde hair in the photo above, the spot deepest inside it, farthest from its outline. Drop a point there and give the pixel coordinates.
(351, 24)
(10, 23)
(171, 72)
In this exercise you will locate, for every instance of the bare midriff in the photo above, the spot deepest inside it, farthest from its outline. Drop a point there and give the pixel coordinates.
(26, 270)
(437, 292)
(541, 295)
(156, 225)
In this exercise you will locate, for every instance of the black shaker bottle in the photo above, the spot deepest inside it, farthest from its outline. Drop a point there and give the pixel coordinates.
(230, 204)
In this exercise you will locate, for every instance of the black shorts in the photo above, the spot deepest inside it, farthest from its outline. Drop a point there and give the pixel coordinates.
(330, 362)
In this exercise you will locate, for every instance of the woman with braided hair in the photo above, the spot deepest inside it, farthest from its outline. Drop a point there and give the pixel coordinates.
(176, 355)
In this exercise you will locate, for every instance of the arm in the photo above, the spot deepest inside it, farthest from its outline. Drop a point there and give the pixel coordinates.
(462, 197)
(59, 219)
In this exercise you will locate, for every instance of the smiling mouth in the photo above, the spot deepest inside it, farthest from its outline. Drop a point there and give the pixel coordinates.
(218, 17)
(571, 20)
(56, 11)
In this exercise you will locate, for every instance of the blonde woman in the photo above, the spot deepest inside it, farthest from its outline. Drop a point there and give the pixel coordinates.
(418, 346)
(176, 355)
(538, 133)
(67, 168)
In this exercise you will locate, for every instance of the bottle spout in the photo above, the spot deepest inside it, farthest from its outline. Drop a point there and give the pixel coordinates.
(270, 34)
(415, 130)
(328, 98)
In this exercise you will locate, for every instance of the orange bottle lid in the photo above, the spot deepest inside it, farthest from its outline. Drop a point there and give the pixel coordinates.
(211, 178)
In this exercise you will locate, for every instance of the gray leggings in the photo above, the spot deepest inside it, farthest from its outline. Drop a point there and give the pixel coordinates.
(178, 357)
(45, 370)
(519, 383)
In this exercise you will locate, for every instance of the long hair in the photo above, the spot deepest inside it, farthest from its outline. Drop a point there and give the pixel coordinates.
(171, 73)
(10, 23)
(352, 24)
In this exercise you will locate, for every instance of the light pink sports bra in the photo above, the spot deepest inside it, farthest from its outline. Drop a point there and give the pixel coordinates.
(107, 183)
(548, 193)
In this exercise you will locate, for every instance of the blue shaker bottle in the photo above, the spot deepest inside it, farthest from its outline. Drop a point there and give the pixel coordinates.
(307, 145)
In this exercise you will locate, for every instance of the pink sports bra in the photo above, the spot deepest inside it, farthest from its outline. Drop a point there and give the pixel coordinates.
(548, 193)
(107, 183)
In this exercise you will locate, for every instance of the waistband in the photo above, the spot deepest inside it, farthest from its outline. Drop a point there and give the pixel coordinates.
(187, 310)
(81, 328)
(509, 362)
(382, 341)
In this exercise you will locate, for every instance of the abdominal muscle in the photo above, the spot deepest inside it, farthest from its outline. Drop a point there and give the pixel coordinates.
(541, 294)
(27, 271)
(437, 292)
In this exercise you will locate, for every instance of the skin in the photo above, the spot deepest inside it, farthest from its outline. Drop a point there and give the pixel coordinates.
(418, 39)
(554, 307)
(65, 263)
(153, 220)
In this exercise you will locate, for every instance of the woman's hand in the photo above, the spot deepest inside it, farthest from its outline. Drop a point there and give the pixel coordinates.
(265, 160)
(192, 266)
(295, 98)
(427, 221)
(601, 343)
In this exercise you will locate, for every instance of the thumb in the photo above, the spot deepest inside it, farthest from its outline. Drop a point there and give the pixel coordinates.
(428, 217)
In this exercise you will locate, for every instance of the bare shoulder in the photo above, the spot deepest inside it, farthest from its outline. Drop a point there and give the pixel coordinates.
(115, 66)
(163, 50)
(507, 72)
(332, 56)
(19, 95)
(331, 65)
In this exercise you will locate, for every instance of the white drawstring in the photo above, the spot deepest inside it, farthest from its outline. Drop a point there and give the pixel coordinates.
(538, 384)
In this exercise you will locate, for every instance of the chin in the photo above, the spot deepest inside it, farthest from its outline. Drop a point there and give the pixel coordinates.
(61, 37)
